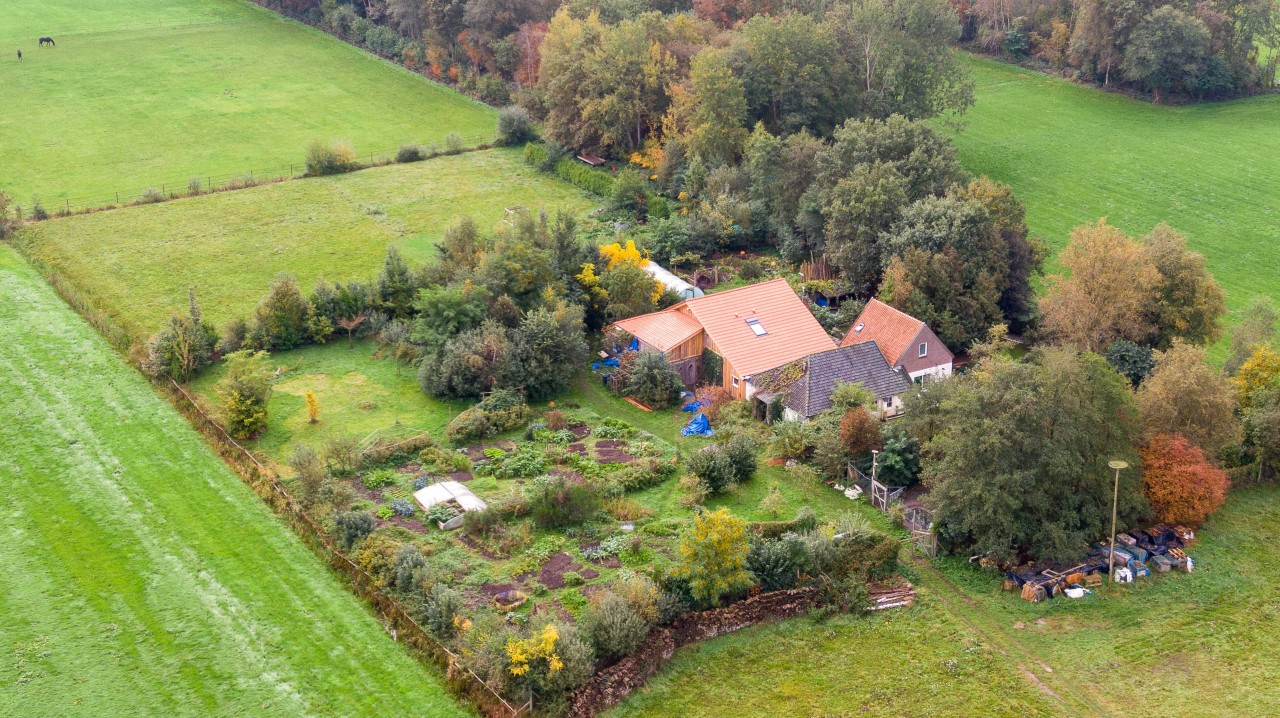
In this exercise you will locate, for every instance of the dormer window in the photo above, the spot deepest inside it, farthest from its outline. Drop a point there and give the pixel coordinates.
(756, 326)
(924, 349)
(858, 329)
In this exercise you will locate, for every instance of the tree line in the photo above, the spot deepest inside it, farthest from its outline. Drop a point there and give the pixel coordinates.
(1194, 50)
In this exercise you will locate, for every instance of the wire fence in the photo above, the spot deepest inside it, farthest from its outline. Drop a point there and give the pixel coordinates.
(200, 184)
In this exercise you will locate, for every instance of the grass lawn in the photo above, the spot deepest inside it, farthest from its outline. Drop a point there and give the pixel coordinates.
(1176, 644)
(1074, 154)
(230, 245)
(359, 393)
(902, 662)
(140, 93)
(140, 576)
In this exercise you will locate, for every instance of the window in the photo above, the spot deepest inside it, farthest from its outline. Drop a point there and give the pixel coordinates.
(858, 329)
(756, 326)
(924, 349)
(735, 382)
(919, 380)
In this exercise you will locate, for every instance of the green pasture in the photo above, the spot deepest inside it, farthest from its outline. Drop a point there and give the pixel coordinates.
(136, 263)
(142, 94)
(141, 577)
(1074, 154)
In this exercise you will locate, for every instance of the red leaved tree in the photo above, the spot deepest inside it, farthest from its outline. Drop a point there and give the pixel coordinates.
(1181, 484)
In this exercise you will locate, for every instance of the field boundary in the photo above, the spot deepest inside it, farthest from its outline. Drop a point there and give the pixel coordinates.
(168, 191)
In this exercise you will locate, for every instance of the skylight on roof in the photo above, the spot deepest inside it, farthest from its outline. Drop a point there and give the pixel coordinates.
(756, 326)
(858, 328)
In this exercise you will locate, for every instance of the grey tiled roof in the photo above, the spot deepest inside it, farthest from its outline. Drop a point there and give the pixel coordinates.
(861, 363)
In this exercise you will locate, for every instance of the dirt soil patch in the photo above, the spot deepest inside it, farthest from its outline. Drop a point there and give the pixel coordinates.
(579, 449)
(493, 589)
(461, 477)
(568, 474)
(580, 431)
(409, 467)
(552, 572)
(613, 456)
(610, 444)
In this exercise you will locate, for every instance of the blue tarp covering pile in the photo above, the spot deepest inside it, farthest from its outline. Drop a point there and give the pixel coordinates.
(698, 426)
(692, 406)
(607, 362)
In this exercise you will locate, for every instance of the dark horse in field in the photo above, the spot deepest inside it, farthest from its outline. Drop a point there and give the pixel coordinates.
(47, 41)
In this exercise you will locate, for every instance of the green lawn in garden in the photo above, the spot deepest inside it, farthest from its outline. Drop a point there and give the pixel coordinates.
(140, 577)
(136, 263)
(1074, 154)
(139, 94)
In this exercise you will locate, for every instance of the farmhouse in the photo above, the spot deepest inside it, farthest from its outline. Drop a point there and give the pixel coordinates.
(805, 385)
(729, 337)
(907, 344)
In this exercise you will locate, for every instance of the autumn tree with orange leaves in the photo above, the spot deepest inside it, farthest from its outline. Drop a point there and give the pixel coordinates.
(1181, 484)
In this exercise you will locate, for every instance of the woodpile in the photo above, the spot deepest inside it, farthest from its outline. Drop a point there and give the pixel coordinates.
(892, 597)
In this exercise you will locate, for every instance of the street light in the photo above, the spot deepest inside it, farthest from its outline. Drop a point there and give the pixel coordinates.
(1118, 465)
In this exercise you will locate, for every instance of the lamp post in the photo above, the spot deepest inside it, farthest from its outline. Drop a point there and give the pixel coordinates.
(1118, 465)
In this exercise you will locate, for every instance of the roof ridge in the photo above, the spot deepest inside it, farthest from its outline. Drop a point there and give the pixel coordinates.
(691, 300)
(894, 309)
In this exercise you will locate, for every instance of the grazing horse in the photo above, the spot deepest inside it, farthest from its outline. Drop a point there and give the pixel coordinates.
(19, 55)
(47, 40)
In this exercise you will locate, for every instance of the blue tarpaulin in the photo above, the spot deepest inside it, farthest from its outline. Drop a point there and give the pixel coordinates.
(634, 346)
(692, 406)
(698, 426)
(821, 301)
(607, 362)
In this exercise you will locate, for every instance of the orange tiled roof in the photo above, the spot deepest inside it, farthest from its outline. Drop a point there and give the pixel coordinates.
(661, 330)
(790, 331)
(891, 329)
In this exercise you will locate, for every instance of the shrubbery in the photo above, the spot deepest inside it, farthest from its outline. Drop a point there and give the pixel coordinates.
(515, 127)
(501, 411)
(410, 153)
(721, 465)
(650, 379)
(559, 503)
(183, 347)
(615, 628)
(329, 159)
(245, 391)
(353, 526)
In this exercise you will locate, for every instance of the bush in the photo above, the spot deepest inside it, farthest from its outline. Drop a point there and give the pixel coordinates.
(244, 392)
(404, 508)
(514, 127)
(584, 176)
(556, 420)
(628, 192)
(614, 627)
(791, 439)
(573, 578)
(151, 195)
(722, 465)
(38, 212)
(454, 144)
(353, 526)
(410, 153)
(776, 564)
(409, 560)
(331, 159)
(501, 411)
(652, 381)
(560, 503)
(442, 605)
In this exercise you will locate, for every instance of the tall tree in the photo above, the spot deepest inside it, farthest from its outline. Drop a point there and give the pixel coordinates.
(1164, 49)
(1188, 302)
(1182, 486)
(1186, 396)
(1256, 325)
(1107, 293)
(1037, 484)
(711, 111)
